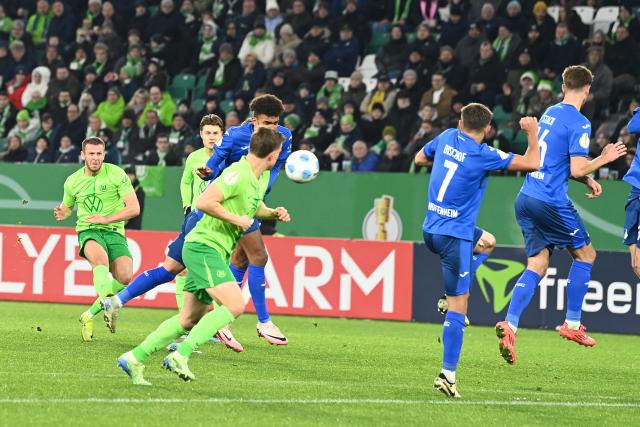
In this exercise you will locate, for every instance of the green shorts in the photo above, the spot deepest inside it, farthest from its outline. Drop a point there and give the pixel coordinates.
(114, 243)
(206, 269)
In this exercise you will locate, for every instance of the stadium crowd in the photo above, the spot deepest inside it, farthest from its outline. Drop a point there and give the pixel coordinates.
(364, 83)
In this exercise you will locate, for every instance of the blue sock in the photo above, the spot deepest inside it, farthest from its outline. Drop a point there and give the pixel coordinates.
(478, 259)
(577, 288)
(238, 273)
(452, 336)
(522, 294)
(144, 283)
(257, 289)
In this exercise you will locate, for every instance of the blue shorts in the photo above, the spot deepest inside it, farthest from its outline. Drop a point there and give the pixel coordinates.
(549, 226)
(255, 226)
(456, 256)
(175, 248)
(632, 217)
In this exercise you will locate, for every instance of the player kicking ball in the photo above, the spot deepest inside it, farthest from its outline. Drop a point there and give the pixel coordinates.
(632, 208)
(211, 128)
(461, 163)
(105, 199)
(546, 215)
(229, 205)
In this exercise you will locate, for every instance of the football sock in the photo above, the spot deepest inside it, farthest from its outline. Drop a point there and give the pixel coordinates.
(180, 280)
(95, 308)
(577, 287)
(238, 273)
(210, 323)
(478, 259)
(102, 280)
(452, 337)
(144, 283)
(257, 288)
(165, 334)
(116, 286)
(521, 297)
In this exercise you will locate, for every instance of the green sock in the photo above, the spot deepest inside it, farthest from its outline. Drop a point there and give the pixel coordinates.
(205, 328)
(101, 280)
(116, 286)
(168, 331)
(95, 307)
(180, 280)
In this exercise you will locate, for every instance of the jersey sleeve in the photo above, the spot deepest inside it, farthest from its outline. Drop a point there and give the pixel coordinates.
(68, 198)
(284, 154)
(229, 183)
(495, 159)
(186, 182)
(221, 153)
(122, 182)
(634, 123)
(579, 139)
(429, 149)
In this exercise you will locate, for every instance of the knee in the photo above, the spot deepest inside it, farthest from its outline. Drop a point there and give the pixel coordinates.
(239, 260)
(187, 321)
(587, 255)
(458, 303)
(259, 258)
(124, 277)
(539, 266)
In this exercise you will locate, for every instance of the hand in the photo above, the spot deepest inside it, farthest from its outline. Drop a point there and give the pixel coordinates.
(595, 187)
(96, 219)
(529, 125)
(203, 172)
(244, 222)
(611, 152)
(58, 214)
(480, 87)
(282, 214)
(506, 89)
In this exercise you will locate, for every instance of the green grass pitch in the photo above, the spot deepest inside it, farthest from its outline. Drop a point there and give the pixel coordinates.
(334, 372)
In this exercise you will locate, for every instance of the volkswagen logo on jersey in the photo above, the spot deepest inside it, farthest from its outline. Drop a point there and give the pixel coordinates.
(92, 203)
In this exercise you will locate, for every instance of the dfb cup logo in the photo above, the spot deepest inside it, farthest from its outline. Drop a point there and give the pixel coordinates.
(93, 204)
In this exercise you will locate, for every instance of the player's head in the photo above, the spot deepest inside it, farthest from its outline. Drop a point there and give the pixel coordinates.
(211, 128)
(475, 119)
(93, 153)
(576, 81)
(266, 110)
(266, 144)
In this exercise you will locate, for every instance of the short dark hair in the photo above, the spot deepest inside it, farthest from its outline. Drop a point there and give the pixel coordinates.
(264, 141)
(211, 120)
(94, 140)
(162, 135)
(476, 117)
(268, 105)
(577, 77)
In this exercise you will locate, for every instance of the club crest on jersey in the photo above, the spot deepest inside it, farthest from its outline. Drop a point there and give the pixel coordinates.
(231, 178)
(103, 187)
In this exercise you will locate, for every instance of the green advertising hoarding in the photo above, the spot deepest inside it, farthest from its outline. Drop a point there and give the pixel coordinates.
(348, 205)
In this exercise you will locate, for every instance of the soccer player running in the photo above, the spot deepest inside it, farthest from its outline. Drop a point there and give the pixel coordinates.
(461, 163)
(546, 215)
(632, 208)
(229, 205)
(105, 199)
(211, 128)
(250, 254)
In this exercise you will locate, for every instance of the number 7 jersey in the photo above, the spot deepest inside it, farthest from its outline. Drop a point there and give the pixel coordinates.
(457, 183)
(563, 133)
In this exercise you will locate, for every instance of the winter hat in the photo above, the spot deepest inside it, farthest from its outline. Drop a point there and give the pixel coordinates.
(272, 4)
(293, 120)
(389, 130)
(529, 75)
(331, 75)
(347, 119)
(545, 85)
(23, 115)
(540, 6)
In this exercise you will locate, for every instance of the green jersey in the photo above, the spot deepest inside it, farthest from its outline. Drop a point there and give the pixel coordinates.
(191, 186)
(243, 193)
(97, 195)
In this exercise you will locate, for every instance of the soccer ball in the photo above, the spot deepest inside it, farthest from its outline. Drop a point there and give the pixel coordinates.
(302, 166)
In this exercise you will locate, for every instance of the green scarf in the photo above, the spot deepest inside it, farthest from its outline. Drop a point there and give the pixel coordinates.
(6, 112)
(111, 113)
(255, 40)
(218, 79)
(36, 105)
(397, 16)
(37, 26)
(133, 67)
(5, 25)
(562, 41)
(99, 67)
(502, 46)
(77, 65)
(206, 51)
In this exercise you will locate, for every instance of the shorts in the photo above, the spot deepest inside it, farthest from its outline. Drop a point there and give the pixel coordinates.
(254, 227)
(549, 226)
(207, 269)
(632, 218)
(175, 248)
(456, 255)
(114, 243)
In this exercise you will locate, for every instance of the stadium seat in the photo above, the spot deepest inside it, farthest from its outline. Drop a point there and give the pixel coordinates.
(197, 104)
(370, 83)
(378, 39)
(344, 82)
(411, 37)
(444, 13)
(519, 143)
(226, 106)
(500, 116)
(368, 68)
(202, 82)
(181, 85)
(586, 13)
(554, 12)
(605, 16)
(3, 143)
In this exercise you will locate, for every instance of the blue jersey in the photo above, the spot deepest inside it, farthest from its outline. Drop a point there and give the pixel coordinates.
(633, 174)
(458, 181)
(563, 133)
(235, 144)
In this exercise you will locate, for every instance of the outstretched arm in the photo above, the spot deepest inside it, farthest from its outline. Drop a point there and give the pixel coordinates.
(581, 166)
(221, 153)
(530, 161)
(278, 214)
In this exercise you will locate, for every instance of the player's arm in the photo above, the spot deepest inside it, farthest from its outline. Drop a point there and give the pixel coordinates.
(530, 161)
(131, 210)
(210, 202)
(186, 185)
(63, 211)
(634, 123)
(278, 214)
(592, 184)
(284, 154)
(221, 153)
(425, 156)
(582, 166)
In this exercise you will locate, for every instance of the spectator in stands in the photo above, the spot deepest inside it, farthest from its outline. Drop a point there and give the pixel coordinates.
(126, 138)
(416, 62)
(135, 223)
(18, 34)
(356, 18)
(95, 125)
(26, 127)
(356, 90)
(409, 83)
(278, 86)
(140, 20)
(293, 123)
(489, 22)
(52, 59)
(180, 134)
(94, 13)
(63, 80)
(15, 153)
(393, 159)
(538, 48)
(333, 158)
(111, 153)
(48, 128)
(246, 20)
(148, 132)
(564, 51)
(154, 76)
(427, 46)
(288, 64)
(403, 116)
(208, 47)
(391, 58)
(542, 99)
(469, 45)
(75, 126)
(486, 76)
(626, 19)
(5, 23)
(299, 18)
(273, 19)
(40, 153)
(453, 30)
(39, 83)
(305, 102)
(516, 98)
(288, 40)
(93, 85)
(373, 124)
(363, 160)
(342, 56)
(496, 139)
(58, 108)
(38, 23)
(87, 105)
(67, 153)
(126, 85)
(317, 39)
(313, 71)
(19, 59)
(232, 36)
(449, 66)
(544, 23)
(253, 77)
(331, 90)
(7, 114)
(162, 155)
(623, 59)
(515, 20)
(383, 93)
(601, 86)
(132, 63)
(349, 132)
(5, 59)
(439, 95)
(574, 23)
(506, 45)
(165, 23)
(231, 119)
(624, 120)
(259, 42)
(111, 110)
(62, 22)
(160, 102)
(224, 74)
(102, 64)
(17, 86)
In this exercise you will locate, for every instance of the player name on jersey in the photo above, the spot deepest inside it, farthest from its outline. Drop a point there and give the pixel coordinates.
(456, 154)
(450, 213)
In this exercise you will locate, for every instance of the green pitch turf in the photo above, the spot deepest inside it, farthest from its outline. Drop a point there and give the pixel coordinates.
(334, 372)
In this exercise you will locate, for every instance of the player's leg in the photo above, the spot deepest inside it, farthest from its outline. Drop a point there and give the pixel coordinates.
(631, 224)
(635, 258)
